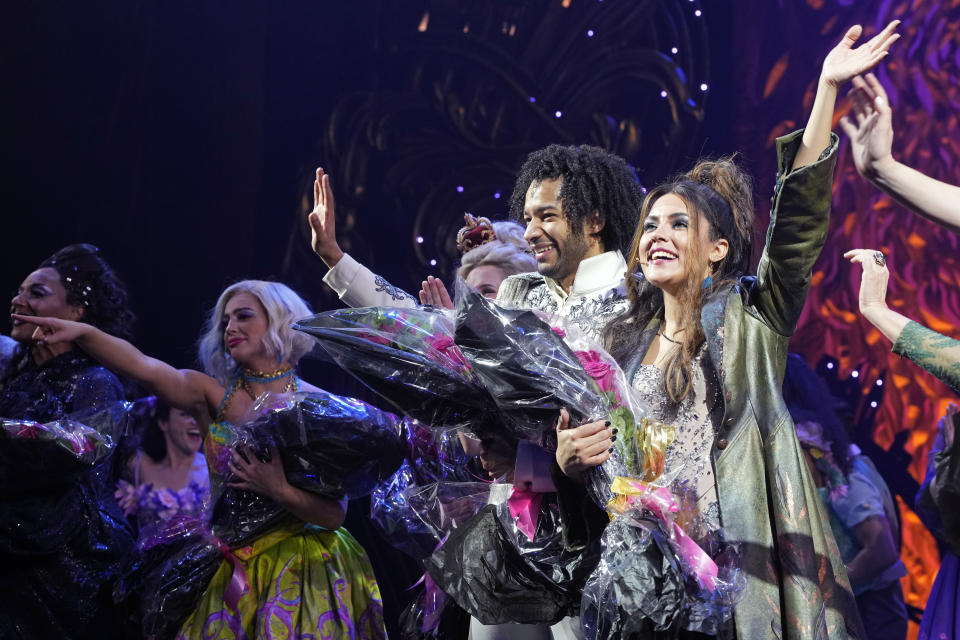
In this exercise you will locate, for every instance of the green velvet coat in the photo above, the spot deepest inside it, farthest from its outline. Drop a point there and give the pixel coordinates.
(797, 585)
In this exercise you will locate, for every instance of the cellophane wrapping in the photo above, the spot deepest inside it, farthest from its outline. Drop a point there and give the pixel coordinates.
(408, 358)
(75, 444)
(429, 494)
(63, 538)
(526, 367)
(662, 570)
(330, 445)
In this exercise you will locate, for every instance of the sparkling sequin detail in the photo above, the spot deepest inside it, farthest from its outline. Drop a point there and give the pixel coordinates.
(688, 457)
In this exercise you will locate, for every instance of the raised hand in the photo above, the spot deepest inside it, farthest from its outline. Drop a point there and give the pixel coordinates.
(871, 138)
(323, 222)
(873, 281)
(844, 62)
(53, 330)
(433, 292)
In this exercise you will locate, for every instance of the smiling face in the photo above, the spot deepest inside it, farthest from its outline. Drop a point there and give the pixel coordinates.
(667, 256)
(41, 294)
(558, 248)
(486, 279)
(244, 325)
(181, 432)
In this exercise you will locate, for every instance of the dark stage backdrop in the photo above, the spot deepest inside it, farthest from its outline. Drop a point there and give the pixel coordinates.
(181, 138)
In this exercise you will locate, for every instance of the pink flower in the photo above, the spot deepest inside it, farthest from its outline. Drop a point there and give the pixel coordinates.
(597, 369)
(375, 338)
(445, 346)
(82, 444)
(560, 332)
(441, 343)
(29, 430)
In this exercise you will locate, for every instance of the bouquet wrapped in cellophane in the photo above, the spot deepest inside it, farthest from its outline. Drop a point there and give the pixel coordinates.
(330, 445)
(30, 450)
(663, 569)
(651, 575)
(407, 357)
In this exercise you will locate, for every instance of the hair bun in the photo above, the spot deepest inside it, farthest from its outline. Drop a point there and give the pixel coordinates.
(735, 185)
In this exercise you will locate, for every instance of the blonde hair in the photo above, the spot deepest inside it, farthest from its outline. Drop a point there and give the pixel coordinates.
(509, 252)
(283, 307)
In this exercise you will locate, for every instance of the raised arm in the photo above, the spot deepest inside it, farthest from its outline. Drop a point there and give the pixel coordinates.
(871, 141)
(184, 389)
(801, 202)
(840, 66)
(355, 284)
(938, 354)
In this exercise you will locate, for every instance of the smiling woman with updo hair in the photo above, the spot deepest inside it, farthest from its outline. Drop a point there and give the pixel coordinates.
(63, 539)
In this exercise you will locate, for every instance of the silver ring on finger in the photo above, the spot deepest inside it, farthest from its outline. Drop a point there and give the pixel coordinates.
(879, 258)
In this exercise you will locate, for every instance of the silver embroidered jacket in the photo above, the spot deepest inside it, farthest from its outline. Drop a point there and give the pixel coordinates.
(597, 296)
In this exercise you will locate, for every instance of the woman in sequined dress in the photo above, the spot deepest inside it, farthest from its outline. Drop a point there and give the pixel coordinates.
(706, 346)
(307, 575)
(63, 539)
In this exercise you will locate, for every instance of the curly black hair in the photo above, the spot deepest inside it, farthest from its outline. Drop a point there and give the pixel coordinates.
(593, 180)
(94, 286)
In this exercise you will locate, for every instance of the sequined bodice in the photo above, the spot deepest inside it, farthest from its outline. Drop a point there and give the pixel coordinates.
(688, 457)
(67, 384)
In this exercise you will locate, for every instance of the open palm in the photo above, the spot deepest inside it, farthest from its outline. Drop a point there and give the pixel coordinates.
(323, 221)
(844, 62)
(870, 130)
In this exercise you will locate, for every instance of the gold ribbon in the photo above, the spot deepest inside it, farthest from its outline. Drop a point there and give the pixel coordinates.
(653, 438)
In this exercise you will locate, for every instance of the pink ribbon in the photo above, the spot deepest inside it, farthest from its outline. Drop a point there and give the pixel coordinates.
(238, 579)
(183, 525)
(660, 503)
(434, 597)
(524, 508)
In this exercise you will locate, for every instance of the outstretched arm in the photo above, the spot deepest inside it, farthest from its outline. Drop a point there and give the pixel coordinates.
(871, 140)
(840, 66)
(801, 202)
(184, 389)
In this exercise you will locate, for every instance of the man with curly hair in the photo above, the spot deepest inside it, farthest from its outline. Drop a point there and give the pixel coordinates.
(580, 205)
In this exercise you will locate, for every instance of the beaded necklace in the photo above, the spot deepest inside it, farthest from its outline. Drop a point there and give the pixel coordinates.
(248, 375)
(266, 376)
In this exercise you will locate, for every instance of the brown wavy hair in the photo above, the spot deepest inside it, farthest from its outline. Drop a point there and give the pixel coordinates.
(722, 194)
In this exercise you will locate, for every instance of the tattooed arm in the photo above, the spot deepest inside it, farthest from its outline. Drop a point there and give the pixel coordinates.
(936, 353)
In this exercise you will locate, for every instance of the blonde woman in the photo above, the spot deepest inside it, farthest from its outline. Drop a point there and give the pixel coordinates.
(305, 575)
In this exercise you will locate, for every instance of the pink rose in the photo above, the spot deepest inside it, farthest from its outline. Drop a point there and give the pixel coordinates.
(29, 430)
(560, 332)
(449, 350)
(597, 368)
